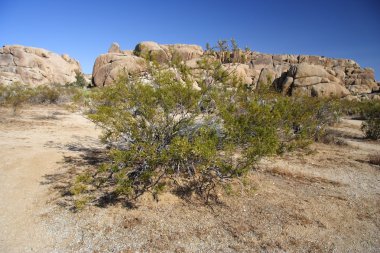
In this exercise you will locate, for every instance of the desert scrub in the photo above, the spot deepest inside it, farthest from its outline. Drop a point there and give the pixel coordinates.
(164, 135)
(370, 111)
(159, 136)
(14, 95)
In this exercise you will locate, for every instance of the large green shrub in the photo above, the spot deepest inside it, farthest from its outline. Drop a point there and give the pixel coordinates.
(160, 137)
(166, 134)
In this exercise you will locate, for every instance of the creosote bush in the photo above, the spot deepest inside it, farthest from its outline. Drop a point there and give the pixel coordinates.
(166, 135)
(371, 125)
(369, 111)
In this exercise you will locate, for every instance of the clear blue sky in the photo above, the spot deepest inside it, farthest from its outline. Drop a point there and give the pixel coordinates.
(85, 29)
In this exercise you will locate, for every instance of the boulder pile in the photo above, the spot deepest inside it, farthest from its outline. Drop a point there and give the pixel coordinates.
(35, 66)
(308, 75)
(316, 76)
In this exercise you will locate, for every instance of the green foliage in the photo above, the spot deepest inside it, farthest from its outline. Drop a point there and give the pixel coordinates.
(78, 188)
(367, 110)
(166, 134)
(80, 81)
(44, 94)
(16, 95)
(158, 133)
(371, 126)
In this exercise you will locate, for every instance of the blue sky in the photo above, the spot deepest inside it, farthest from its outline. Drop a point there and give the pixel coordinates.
(85, 29)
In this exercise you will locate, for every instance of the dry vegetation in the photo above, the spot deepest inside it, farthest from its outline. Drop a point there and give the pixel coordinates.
(320, 200)
(220, 169)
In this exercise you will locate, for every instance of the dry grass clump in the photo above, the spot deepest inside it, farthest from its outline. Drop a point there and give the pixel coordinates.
(374, 159)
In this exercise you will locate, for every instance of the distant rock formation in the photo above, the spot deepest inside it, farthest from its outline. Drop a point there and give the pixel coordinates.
(35, 66)
(291, 74)
(317, 75)
(109, 66)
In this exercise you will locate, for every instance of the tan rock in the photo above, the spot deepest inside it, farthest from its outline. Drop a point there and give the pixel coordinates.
(260, 61)
(114, 48)
(108, 67)
(165, 53)
(185, 52)
(307, 81)
(321, 90)
(152, 51)
(307, 70)
(242, 71)
(359, 89)
(36, 66)
(286, 85)
(267, 77)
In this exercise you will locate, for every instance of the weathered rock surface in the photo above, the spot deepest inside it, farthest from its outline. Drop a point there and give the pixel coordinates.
(115, 48)
(164, 53)
(109, 66)
(291, 74)
(35, 66)
(241, 71)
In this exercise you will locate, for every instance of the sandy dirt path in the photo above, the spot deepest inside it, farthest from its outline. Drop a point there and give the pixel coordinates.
(31, 147)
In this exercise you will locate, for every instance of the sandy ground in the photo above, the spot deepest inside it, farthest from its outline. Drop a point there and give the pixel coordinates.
(324, 200)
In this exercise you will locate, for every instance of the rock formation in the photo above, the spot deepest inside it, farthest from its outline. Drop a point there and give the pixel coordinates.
(291, 74)
(165, 53)
(109, 66)
(35, 66)
(315, 75)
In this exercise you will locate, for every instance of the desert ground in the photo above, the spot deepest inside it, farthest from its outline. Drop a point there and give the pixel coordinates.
(324, 199)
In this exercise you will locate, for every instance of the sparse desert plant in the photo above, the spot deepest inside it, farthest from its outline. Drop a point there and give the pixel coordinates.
(371, 113)
(45, 94)
(374, 159)
(80, 81)
(15, 95)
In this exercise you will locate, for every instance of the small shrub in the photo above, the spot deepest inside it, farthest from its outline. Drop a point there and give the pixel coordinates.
(45, 95)
(371, 125)
(15, 95)
(374, 159)
(80, 81)
(78, 188)
(80, 203)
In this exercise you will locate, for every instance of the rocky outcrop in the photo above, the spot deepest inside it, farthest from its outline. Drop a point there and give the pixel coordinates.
(291, 74)
(165, 53)
(115, 48)
(315, 75)
(316, 81)
(108, 67)
(35, 66)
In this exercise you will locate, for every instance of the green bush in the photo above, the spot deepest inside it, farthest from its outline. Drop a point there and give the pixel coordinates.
(44, 94)
(371, 113)
(160, 136)
(368, 111)
(14, 95)
(168, 135)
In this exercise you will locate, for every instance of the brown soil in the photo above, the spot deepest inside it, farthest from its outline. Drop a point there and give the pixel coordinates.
(324, 200)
